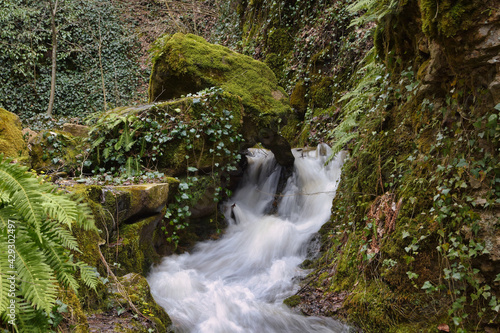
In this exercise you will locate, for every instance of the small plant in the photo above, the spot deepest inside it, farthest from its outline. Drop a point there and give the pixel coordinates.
(36, 233)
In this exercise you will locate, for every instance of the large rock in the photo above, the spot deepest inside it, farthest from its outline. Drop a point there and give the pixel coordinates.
(142, 199)
(163, 134)
(187, 64)
(12, 143)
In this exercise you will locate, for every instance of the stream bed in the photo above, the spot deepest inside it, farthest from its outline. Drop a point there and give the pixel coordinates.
(238, 282)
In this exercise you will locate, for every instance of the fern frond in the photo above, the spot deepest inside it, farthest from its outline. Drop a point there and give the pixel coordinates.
(4, 272)
(357, 103)
(60, 209)
(29, 319)
(24, 192)
(6, 214)
(37, 282)
(98, 142)
(88, 274)
(375, 10)
(4, 199)
(85, 218)
(62, 265)
(60, 236)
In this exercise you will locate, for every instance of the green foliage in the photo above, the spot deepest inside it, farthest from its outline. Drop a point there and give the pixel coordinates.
(299, 40)
(375, 10)
(93, 46)
(172, 135)
(369, 94)
(36, 235)
(445, 17)
(455, 207)
(195, 136)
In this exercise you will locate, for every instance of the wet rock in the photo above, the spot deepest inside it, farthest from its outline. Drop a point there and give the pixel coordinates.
(279, 146)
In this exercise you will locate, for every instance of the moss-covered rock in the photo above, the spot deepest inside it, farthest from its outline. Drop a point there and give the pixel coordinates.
(138, 245)
(74, 318)
(55, 150)
(143, 200)
(186, 64)
(130, 220)
(134, 288)
(12, 143)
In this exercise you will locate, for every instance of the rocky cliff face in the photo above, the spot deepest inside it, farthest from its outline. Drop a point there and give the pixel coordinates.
(413, 242)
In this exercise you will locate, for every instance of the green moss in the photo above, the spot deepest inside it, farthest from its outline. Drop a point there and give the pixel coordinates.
(378, 309)
(74, 319)
(138, 290)
(276, 63)
(187, 63)
(298, 100)
(12, 143)
(447, 17)
(292, 301)
(135, 250)
(321, 93)
(279, 41)
(289, 132)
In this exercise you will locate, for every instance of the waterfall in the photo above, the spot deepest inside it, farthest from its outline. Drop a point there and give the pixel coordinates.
(238, 283)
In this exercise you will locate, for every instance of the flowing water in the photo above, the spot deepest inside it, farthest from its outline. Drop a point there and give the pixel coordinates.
(238, 283)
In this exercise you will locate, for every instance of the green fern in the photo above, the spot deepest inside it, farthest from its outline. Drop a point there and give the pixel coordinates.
(375, 10)
(357, 103)
(43, 219)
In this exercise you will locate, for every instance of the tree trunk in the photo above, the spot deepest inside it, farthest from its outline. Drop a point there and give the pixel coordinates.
(53, 11)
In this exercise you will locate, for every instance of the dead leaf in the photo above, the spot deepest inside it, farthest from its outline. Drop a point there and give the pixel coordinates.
(443, 327)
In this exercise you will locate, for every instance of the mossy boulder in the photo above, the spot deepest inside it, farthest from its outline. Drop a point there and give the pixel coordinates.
(186, 64)
(12, 143)
(229, 96)
(134, 288)
(143, 200)
(130, 218)
(159, 136)
(139, 244)
(53, 150)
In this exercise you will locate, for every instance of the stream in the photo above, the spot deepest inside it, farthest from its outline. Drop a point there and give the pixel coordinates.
(238, 282)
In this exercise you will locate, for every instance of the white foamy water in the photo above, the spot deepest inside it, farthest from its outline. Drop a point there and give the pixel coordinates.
(238, 283)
